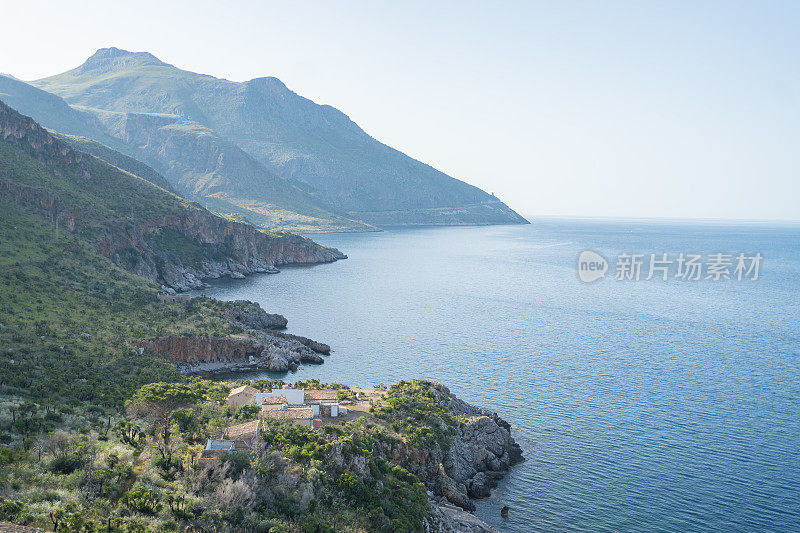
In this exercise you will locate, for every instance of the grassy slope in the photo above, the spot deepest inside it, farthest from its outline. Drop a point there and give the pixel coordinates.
(111, 194)
(118, 159)
(55, 291)
(68, 318)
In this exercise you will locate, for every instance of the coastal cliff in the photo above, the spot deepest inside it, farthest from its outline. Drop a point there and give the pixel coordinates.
(141, 227)
(259, 347)
(208, 355)
(459, 451)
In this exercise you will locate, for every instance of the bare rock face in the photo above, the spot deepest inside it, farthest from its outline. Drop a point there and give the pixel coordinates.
(449, 518)
(250, 315)
(480, 453)
(454, 491)
(209, 355)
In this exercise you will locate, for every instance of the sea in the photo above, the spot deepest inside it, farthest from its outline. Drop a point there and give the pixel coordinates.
(640, 404)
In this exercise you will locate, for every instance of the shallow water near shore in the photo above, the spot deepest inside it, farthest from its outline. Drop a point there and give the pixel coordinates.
(640, 406)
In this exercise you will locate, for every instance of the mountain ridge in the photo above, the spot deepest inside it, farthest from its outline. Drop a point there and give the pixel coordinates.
(344, 168)
(269, 201)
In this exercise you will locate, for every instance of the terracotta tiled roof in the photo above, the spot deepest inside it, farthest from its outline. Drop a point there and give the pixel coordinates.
(243, 388)
(297, 413)
(321, 394)
(243, 431)
(274, 400)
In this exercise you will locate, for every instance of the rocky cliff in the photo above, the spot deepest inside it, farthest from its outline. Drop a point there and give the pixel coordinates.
(141, 227)
(480, 452)
(205, 246)
(208, 355)
(260, 347)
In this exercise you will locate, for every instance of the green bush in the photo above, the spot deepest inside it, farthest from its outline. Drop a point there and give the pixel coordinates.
(10, 510)
(247, 411)
(65, 464)
(145, 501)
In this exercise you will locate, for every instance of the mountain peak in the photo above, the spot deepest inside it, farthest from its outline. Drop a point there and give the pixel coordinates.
(268, 82)
(113, 58)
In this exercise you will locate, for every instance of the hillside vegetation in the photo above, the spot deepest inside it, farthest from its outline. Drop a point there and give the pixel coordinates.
(141, 227)
(81, 444)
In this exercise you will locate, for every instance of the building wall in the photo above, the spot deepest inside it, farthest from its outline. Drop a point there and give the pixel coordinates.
(240, 399)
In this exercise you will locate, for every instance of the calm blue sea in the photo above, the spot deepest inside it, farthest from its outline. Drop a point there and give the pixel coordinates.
(640, 406)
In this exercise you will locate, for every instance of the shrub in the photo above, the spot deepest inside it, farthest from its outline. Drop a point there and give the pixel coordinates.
(10, 510)
(248, 411)
(65, 464)
(146, 501)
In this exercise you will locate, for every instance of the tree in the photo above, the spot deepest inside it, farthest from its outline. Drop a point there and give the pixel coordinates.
(129, 433)
(248, 411)
(159, 401)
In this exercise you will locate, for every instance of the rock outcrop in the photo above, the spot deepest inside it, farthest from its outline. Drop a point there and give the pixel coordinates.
(250, 315)
(481, 451)
(449, 518)
(259, 348)
(209, 355)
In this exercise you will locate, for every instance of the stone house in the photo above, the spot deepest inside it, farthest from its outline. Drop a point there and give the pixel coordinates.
(314, 398)
(241, 396)
(216, 449)
(243, 435)
(293, 396)
(328, 408)
(272, 403)
(180, 298)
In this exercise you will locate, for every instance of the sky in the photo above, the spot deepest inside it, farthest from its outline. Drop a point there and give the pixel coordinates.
(648, 109)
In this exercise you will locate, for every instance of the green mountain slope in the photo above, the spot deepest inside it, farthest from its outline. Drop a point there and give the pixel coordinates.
(141, 227)
(314, 146)
(50, 110)
(118, 159)
(80, 129)
(197, 162)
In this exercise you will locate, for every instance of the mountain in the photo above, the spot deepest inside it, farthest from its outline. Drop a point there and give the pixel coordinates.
(314, 148)
(198, 163)
(50, 111)
(139, 226)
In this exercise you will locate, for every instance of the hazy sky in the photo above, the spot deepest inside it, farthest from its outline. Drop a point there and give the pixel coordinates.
(644, 109)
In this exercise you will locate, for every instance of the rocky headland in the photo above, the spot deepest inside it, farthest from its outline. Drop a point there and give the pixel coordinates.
(457, 450)
(479, 453)
(139, 226)
(259, 347)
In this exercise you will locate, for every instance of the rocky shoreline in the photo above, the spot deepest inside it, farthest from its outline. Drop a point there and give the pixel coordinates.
(176, 277)
(259, 347)
(481, 452)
